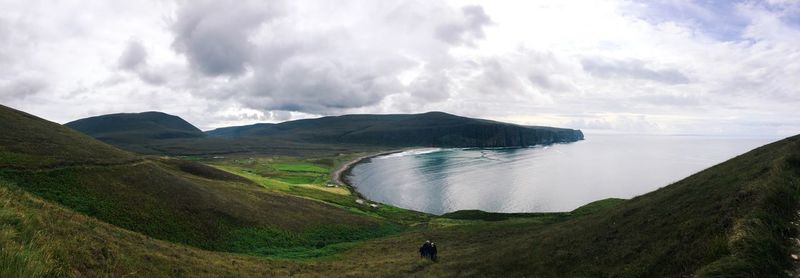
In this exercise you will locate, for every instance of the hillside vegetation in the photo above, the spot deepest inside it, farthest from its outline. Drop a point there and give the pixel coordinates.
(274, 216)
(27, 141)
(134, 131)
(174, 200)
(146, 125)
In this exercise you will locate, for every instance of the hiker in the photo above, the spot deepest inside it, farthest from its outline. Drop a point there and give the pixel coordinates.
(433, 251)
(425, 250)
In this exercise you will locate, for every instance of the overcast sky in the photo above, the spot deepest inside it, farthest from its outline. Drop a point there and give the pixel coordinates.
(665, 67)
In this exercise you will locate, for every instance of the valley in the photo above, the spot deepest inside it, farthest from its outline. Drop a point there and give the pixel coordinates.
(91, 209)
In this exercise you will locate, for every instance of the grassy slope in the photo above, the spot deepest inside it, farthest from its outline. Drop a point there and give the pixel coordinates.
(729, 220)
(308, 178)
(39, 238)
(39, 144)
(732, 220)
(179, 201)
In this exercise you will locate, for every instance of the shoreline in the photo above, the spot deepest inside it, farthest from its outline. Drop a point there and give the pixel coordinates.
(338, 175)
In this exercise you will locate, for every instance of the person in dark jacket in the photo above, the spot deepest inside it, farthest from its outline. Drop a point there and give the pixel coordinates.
(433, 251)
(425, 250)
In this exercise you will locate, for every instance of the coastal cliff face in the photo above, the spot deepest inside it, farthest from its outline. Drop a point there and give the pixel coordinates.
(435, 129)
(159, 133)
(471, 135)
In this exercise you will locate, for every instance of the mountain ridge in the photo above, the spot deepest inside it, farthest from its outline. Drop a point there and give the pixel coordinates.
(424, 129)
(148, 125)
(138, 133)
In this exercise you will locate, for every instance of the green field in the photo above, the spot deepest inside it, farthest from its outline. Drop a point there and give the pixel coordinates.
(300, 167)
(263, 171)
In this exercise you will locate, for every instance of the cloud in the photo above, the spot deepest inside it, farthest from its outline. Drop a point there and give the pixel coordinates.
(214, 34)
(318, 85)
(718, 19)
(133, 57)
(431, 86)
(327, 58)
(20, 89)
(607, 68)
(467, 29)
(655, 66)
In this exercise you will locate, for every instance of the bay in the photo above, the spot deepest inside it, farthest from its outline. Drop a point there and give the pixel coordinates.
(559, 177)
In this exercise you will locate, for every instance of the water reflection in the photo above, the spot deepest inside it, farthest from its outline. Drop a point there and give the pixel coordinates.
(545, 178)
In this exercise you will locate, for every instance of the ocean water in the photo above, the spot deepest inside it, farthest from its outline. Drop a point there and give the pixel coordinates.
(558, 177)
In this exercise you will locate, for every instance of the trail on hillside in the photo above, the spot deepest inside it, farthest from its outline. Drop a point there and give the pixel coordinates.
(80, 165)
(795, 249)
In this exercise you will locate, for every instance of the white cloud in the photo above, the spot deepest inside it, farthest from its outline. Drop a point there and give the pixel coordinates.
(634, 66)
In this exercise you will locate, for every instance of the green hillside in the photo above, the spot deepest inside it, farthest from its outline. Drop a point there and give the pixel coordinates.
(148, 125)
(178, 201)
(270, 216)
(131, 130)
(27, 141)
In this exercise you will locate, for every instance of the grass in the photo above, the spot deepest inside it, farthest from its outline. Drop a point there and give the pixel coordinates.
(31, 142)
(51, 240)
(315, 242)
(337, 196)
(88, 209)
(41, 239)
(300, 167)
(263, 171)
(158, 199)
(734, 217)
(598, 205)
(589, 208)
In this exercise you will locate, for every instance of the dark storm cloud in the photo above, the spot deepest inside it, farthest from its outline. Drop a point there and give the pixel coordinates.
(606, 68)
(467, 30)
(214, 35)
(133, 57)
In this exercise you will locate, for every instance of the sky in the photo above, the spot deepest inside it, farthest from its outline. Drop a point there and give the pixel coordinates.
(728, 68)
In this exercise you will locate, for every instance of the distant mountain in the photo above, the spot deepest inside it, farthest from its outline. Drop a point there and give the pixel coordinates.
(125, 127)
(428, 129)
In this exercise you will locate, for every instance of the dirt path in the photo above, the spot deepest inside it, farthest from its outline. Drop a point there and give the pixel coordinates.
(795, 250)
(82, 165)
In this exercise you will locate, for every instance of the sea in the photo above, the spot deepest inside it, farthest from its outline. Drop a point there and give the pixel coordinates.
(546, 178)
